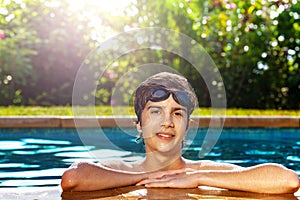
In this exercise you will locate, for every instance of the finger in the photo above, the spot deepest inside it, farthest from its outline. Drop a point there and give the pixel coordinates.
(161, 174)
(172, 183)
(158, 184)
(143, 182)
(190, 170)
(146, 181)
(153, 180)
(158, 175)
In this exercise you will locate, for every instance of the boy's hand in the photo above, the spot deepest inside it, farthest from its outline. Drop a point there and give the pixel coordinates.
(182, 178)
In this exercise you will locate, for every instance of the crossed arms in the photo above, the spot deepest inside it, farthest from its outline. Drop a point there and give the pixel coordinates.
(264, 178)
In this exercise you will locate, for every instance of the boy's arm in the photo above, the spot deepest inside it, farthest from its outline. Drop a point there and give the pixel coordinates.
(265, 178)
(90, 176)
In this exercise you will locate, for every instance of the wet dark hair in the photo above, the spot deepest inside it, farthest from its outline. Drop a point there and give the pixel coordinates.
(168, 81)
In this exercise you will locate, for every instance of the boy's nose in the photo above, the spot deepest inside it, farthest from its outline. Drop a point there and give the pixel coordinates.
(168, 122)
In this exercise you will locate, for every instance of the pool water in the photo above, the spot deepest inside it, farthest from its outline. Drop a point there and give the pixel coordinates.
(39, 156)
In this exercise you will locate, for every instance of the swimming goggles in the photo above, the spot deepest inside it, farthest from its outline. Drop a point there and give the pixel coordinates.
(162, 94)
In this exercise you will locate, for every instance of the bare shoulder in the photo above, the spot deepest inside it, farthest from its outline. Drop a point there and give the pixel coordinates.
(211, 165)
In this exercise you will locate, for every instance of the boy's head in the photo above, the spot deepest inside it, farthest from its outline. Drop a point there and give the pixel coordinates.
(159, 87)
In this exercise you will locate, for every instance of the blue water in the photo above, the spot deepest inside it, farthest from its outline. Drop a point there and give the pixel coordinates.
(38, 157)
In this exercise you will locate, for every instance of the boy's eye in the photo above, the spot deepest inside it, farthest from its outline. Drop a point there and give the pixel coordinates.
(155, 112)
(179, 114)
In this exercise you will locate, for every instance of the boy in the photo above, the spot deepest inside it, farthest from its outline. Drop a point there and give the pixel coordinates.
(163, 104)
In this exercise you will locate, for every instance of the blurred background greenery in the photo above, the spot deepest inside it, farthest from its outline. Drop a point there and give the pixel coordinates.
(255, 44)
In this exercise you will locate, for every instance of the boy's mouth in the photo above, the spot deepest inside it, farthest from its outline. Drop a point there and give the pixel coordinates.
(165, 135)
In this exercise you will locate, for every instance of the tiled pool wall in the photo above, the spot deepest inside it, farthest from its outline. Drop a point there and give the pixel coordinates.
(71, 122)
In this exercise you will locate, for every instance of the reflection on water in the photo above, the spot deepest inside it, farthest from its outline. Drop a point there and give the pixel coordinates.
(293, 158)
(38, 157)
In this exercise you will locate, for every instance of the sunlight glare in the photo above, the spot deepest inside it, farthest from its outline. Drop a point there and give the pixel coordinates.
(114, 7)
(95, 12)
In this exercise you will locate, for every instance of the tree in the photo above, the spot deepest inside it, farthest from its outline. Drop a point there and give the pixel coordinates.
(254, 44)
(16, 45)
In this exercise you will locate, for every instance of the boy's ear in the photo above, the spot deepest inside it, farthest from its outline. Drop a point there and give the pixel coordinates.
(139, 127)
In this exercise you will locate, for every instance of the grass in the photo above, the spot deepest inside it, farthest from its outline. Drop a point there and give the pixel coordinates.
(108, 111)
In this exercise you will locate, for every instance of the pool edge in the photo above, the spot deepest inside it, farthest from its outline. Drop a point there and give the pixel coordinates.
(109, 121)
(137, 192)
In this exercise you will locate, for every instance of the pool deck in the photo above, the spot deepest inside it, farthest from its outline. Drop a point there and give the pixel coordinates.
(71, 122)
(135, 193)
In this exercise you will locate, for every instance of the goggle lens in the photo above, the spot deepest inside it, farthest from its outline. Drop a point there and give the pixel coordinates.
(161, 94)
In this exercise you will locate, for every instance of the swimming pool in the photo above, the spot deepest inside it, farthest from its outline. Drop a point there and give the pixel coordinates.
(38, 156)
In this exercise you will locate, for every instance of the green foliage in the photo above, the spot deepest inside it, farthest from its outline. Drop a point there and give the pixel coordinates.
(255, 45)
(128, 111)
(16, 45)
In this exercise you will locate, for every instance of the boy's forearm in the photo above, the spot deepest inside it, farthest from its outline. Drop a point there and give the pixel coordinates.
(261, 179)
(88, 177)
(111, 179)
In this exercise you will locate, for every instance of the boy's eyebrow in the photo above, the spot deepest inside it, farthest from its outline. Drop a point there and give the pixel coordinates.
(173, 109)
(159, 107)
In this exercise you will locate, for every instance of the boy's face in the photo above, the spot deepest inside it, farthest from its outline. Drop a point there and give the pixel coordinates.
(164, 125)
